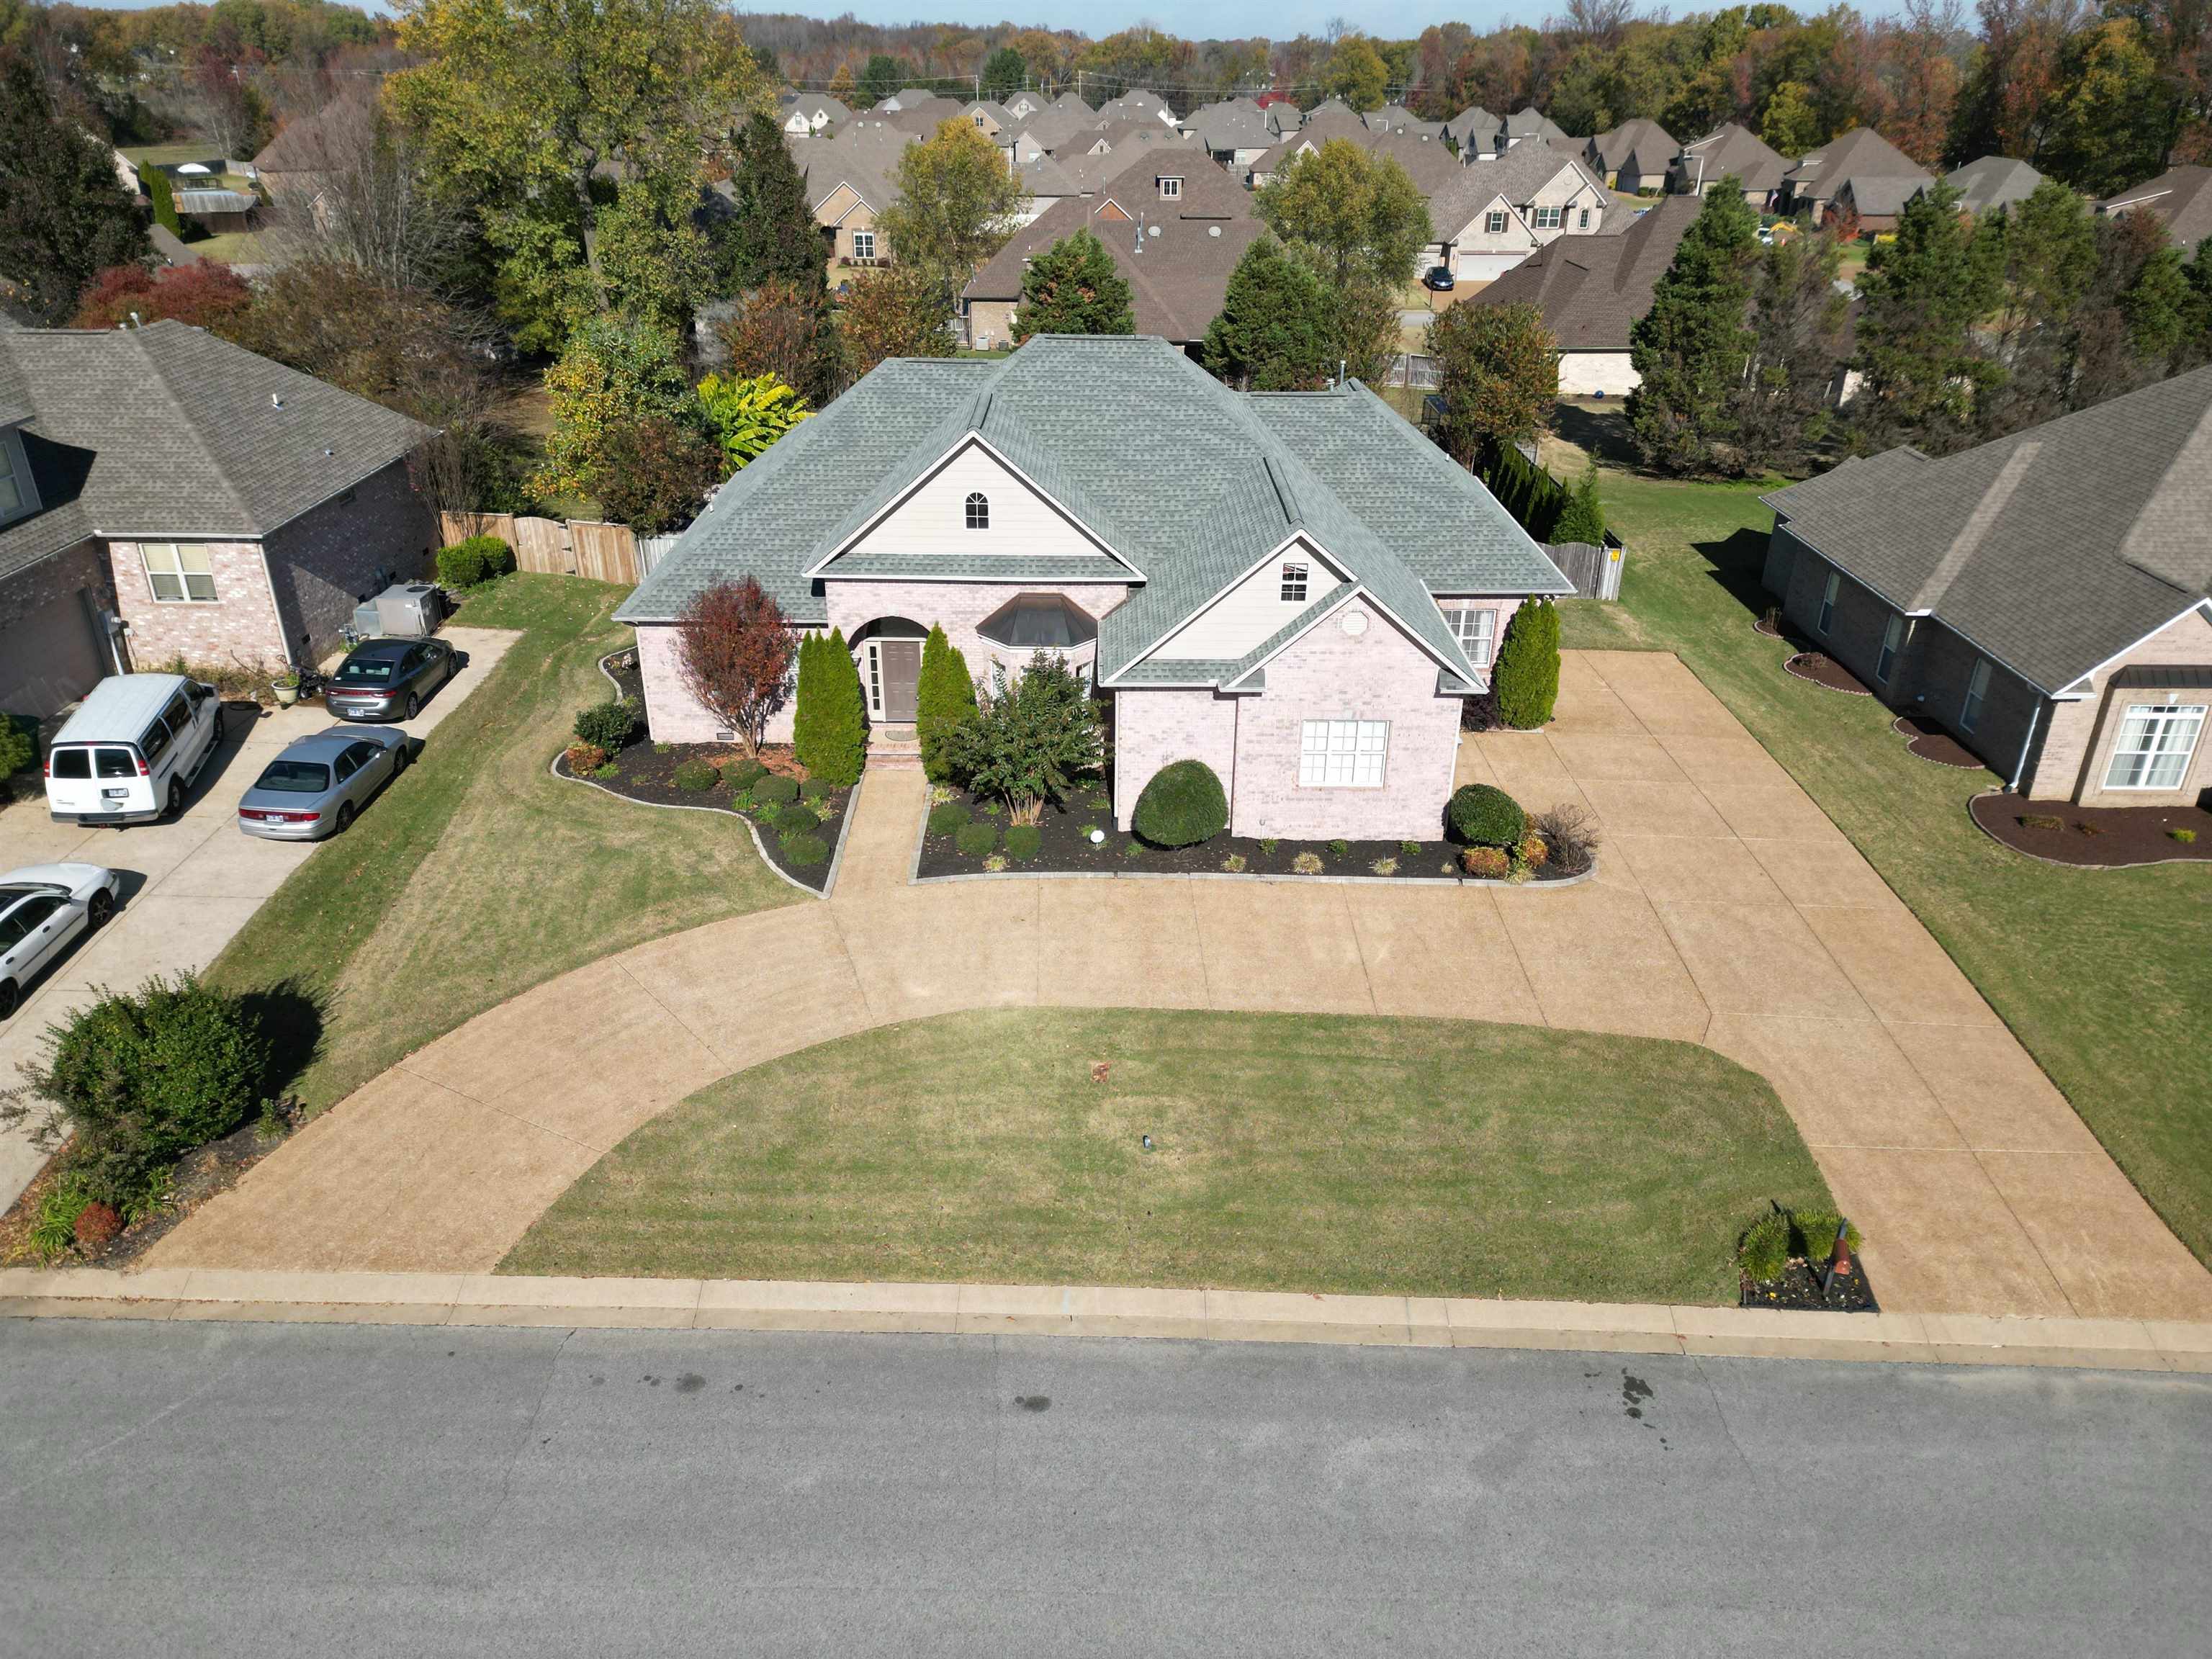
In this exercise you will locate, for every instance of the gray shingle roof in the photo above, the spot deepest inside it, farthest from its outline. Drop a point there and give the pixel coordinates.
(2180, 199)
(1517, 174)
(1994, 181)
(1857, 157)
(1730, 149)
(169, 431)
(1593, 289)
(2051, 549)
(1645, 143)
(1188, 483)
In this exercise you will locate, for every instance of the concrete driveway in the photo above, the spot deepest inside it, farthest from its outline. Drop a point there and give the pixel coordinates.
(187, 885)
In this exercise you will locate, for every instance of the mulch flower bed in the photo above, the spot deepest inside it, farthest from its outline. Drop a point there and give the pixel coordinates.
(1928, 740)
(1066, 847)
(198, 1175)
(1800, 1287)
(2095, 838)
(1826, 671)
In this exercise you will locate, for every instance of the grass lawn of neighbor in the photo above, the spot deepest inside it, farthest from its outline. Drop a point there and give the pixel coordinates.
(2100, 973)
(1291, 1152)
(477, 875)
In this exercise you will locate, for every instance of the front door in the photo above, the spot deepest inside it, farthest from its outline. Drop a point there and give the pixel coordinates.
(901, 666)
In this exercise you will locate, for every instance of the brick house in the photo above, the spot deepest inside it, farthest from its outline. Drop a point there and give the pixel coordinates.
(165, 494)
(1296, 588)
(2047, 597)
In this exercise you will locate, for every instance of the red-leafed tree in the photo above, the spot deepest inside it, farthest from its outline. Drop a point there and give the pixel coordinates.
(734, 654)
(209, 296)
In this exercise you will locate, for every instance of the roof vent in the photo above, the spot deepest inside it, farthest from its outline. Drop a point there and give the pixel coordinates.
(1213, 230)
(276, 402)
(1151, 230)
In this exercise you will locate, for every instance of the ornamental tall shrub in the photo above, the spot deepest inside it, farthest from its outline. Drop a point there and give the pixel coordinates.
(1183, 804)
(807, 689)
(840, 734)
(1527, 676)
(945, 698)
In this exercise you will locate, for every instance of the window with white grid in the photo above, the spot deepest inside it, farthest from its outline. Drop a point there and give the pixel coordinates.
(2154, 747)
(1294, 582)
(1476, 630)
(864, 245)
(1548, 218)
(1342, 754)
(178, 575)
(1493, 221)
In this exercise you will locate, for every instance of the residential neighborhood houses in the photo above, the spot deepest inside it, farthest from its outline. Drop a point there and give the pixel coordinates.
(703, 713)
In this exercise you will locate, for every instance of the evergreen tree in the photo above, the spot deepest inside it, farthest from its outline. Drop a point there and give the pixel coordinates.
(1526, 678)
(63, 216)
(807, 718)
(945, 697)
(1922, 295)
(1005, 74)
(2045, 249)
(2132, 320)
(1583, 519)
(840, 733)
(883, 76)
(1360, 223)
(1498, 369)
(770, 236)
(1074, 288)
(1690, 349)
(1275, 332)
(1781, 409)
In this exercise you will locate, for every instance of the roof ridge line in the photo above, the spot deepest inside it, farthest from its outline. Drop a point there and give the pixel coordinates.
(1987, 509)
(159, 371)
(1292, 518)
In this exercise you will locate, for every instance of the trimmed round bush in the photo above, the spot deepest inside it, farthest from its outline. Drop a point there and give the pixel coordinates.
(1023, 840)
(945, 819)
(607, 726)
(812, 789)
(797, 820)
(803, 851)
(97, 1223)
(477, 559)
(1482, 815)
(696, 777)
(773, 789)
(1182, 805)
(1490, 863)
(746, 773)
(977, 839)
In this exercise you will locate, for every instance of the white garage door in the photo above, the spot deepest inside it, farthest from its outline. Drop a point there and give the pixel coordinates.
(1485, 267)
(48, 659)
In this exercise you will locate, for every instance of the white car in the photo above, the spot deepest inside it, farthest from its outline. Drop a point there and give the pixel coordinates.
(42, 907)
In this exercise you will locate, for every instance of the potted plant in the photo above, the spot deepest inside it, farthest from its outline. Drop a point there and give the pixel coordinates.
(286, 685)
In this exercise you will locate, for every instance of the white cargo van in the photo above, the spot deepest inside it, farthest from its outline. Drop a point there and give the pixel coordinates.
(131, 749)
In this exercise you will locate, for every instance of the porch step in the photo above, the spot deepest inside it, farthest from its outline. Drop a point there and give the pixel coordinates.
(894, 746)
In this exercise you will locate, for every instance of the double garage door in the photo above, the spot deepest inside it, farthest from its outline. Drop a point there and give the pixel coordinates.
(48, 659)
(1484, 267)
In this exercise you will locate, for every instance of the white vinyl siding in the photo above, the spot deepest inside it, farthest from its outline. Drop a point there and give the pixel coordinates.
(178, 575)
(933, 519)
(1476, 630)
(1294, 581)
(1977, 691)
(1254, 609)
(1343, 754)
(2156, 744)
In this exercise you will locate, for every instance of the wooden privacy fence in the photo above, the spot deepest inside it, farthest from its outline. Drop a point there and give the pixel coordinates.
(563, 547)
(1595, 571)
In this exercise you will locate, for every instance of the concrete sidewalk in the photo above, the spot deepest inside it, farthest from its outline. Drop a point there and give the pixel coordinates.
(1727, 910)
(188, 885)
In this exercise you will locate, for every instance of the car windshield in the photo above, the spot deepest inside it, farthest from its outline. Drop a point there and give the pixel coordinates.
(366, 670)
(292, 777)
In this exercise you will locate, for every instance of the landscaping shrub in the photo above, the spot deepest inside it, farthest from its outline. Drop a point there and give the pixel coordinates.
(498, 557)
(1526, 675)
(1234, 864)
(829, 729)
(584, 757)
(608, 725)
(142, 1079)
(1488, 862)
(477, 559)
(977, 838)
(1307, 864)
(948, 817)
(53, 1224)
(2041, 821)
(812, 789)
(1483, 815)
(1770, 1242)
(1340, 848)
(1182, 805)
(18, 750)
(1030, 739)
(773, 789)
(695, 777)
(804, 852)
(2186, 837)
(1570, 837)
(1532, 853)
(745, 774)
(97, 1223)
(1384, 866)
(796, 820)
(1023, 840)
(945, 697)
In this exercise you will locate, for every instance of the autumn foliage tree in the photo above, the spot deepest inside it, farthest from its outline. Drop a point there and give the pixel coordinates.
(734, 656)
(894, 312)
(787, 329)
(1499, 367)
(209, 296)
(1074, 288)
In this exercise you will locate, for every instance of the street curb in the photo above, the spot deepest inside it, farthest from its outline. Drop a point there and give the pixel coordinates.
(490, 1299)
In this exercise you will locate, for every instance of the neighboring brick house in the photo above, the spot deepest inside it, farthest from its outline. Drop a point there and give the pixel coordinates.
(848, 186)
(1634, 155)
(1488, 216)
(1859, 178)
(165, 494)
(2047, 597)
(1296, 588)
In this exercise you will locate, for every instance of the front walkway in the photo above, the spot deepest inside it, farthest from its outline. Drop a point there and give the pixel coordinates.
(1728, 911)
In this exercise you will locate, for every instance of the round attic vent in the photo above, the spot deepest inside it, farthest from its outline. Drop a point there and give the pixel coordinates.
(1355, 623)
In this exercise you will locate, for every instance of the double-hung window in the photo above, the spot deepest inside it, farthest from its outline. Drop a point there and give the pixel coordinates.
(1342, 754)
(1891, 637)
(2155, 745)
(1828, 601)
(1977, 693)
(1294, 582)
(1475, 629)
(864, 245)
(1550, 218)
(1582, 222)
(1493, 223)
(178, 574)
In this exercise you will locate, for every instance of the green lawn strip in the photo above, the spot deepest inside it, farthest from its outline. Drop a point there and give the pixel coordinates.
(2098, 973)
(1293, 1152)
(477, 875)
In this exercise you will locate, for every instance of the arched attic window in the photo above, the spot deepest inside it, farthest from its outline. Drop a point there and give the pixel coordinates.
(979, 511)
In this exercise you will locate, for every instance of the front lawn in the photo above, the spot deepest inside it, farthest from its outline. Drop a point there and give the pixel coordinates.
(477, 874)
(1290, 1152)
(2099, 973)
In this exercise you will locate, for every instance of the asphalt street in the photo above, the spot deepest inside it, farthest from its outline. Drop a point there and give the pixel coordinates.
(200, 1488)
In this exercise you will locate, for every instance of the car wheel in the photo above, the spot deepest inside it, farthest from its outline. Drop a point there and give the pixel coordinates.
(399, 759)
(218, 723)
(176, 806)
(9, 997)
(98, 908)
(414, 705)
(344, 817)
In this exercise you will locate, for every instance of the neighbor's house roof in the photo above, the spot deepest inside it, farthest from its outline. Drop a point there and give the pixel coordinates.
(1729, 149)
(1592, 289)
(308, 144)
(1190, 246)
(811, 103)
(864, 154)
(2181, 200)
(1645, 142)
(167, 431)
(1878, 196)
(1857, 157)
(1473, 123)
(1517, 174)
(1229, 127)
(1429, 162)
(1090, 173)
(1994, 181)
(2051, 550)
(1186, 483)
(1532, 123)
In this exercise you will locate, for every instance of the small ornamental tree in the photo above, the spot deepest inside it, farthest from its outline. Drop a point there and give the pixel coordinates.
(734, 656)
(208, 294)
(1030, 739)
(1583, 519)
(829, 731)
(895, 313)
(1074, 288)
(749, 415)
(653, 475)
(788, 331)
(945, 697)
(1527, 676)
(1499, 371)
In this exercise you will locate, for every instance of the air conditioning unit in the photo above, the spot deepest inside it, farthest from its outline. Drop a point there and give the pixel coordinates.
(409, 610)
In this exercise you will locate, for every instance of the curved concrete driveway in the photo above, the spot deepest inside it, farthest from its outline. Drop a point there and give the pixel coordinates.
(1728, 911)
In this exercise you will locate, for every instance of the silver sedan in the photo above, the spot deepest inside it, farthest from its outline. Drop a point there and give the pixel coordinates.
(42, 907)
(314, 788)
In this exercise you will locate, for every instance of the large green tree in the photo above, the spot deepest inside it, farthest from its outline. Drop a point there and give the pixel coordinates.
(62, 214)
(1690, 349)
(2112, 118)
(1924, 293)
(616, 373)
(579, 131)
(1005, 74)
(769, 236)
(1499, 369)
(1360, 224)
(955, 206)
(1073, 287)
(1357, 73)
(1276, 331)
(2044, 250)
(1780, 407)
(882, 77)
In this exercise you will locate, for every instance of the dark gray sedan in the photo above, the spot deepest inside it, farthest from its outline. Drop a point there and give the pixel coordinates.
(389, 679)
(317, 784)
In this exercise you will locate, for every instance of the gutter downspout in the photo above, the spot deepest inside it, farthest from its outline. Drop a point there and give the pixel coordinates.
(2020, 768)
